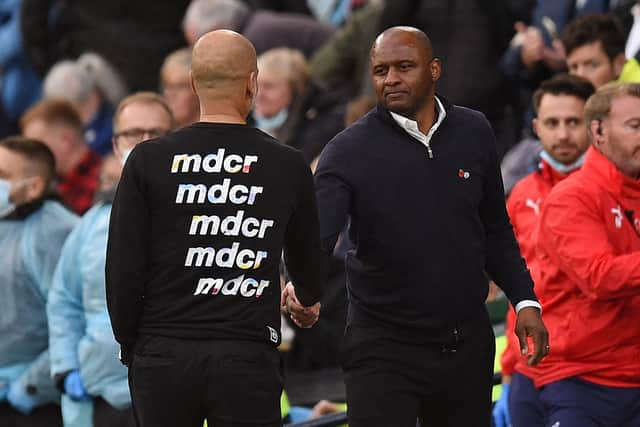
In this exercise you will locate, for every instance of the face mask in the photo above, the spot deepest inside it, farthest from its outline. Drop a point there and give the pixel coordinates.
(125, 155)
(6, 206)
(271, 123)
(560, 167)
(107, 195)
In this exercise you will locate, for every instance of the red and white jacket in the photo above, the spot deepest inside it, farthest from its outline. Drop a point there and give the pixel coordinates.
(589, 276)
(523, 206)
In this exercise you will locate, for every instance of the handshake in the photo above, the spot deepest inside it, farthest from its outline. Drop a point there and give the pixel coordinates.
(303, 317)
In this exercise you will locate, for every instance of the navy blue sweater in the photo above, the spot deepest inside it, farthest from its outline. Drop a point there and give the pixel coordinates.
(427, 231)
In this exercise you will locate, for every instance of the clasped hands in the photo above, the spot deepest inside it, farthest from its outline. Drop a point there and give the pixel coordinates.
(303, 317)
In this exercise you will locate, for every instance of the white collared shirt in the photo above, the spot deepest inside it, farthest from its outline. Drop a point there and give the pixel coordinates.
(411, 127)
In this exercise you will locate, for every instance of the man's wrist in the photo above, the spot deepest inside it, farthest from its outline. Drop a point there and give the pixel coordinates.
(528, 303)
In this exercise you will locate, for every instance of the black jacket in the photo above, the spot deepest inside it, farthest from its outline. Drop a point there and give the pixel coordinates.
(427, 231)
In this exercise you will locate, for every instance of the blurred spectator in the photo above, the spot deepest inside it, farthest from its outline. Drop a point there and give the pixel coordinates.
(332, 12)
(20, 84)
(265, 29)
(291, 107)
(594, 45)
(132, 36)
(32, 231)
(559, 103)
(536, 52)
(94, 87)
(588, 248)
(176, 87)
(343, 61)
(58, 124)
(83, 349)
(288, 6)
(469, 37)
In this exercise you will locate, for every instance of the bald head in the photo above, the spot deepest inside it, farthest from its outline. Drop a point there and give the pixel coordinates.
(406, 36)
(404, 72)
(222, 59)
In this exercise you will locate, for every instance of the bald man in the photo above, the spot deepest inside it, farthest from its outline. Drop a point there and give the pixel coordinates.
(419, 180)
(198, 225)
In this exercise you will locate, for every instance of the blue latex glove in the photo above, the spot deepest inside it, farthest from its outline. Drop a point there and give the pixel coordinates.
(74, 388)
(501, 417)
(20, 399)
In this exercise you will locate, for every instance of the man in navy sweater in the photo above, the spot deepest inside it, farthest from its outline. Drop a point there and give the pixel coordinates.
(420, 182)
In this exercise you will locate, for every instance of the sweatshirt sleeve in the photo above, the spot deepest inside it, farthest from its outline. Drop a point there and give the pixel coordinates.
(127, 252)
(503, 263)
(334, 196)
(302, 252)
(574, 238)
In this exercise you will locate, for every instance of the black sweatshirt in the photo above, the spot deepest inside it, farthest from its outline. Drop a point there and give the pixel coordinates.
(426, 230)
(198, 226)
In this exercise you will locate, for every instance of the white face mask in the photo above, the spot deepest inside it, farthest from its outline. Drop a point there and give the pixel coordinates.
(125, 155)
(6, 206)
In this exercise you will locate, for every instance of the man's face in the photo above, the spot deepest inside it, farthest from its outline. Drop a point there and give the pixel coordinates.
(401, 73)
(560, 127)
(138, 122)
(16, 169)
(177, 91)
(274, 93)
(110, 172)
(592, 63)
(620, 138)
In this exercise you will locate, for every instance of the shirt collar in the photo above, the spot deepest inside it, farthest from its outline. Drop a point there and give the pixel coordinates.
(411, 126)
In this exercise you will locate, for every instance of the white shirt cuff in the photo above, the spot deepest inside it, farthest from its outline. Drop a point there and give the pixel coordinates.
(528, 303)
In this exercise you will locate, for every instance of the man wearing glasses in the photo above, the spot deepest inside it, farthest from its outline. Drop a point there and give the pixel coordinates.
(83, 351)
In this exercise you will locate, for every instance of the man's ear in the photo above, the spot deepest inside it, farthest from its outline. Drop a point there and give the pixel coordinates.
(535, 123)
(595, 128)
(192, 83)
(435, 67)
(35, 188)
(618, 64)
(252, 86)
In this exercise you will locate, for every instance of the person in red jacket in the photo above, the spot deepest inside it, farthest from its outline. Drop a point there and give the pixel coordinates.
(588, 248)
(559, 103)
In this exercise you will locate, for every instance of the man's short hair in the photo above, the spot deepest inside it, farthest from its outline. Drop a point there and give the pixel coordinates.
(181, 57)
(592, 28)
(36, 153)
(563, 84)
(208, 15)
(598, 106)
(149, 98)
(56, 112)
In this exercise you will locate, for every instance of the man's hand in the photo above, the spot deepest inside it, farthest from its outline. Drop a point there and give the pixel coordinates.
(529, 324)
(303, 317)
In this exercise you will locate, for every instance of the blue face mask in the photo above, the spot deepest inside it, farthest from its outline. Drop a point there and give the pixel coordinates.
(268, 124)
(560, 167)
(6, 206)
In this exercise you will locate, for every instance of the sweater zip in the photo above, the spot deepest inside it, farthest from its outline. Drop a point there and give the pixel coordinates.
(429, 150)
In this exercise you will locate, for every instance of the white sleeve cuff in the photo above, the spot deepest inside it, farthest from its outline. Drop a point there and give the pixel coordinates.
(528, 303)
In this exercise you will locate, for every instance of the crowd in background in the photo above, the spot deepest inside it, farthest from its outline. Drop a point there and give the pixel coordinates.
(92, 79)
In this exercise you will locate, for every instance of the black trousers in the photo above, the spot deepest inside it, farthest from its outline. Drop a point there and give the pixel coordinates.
(47, 415)
(105, 415)
(393, 383)
(176, 382)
